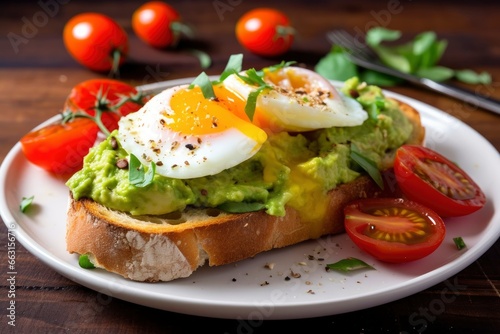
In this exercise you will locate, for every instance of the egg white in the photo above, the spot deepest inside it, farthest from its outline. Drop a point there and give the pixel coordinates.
(324, 107)
(145, 134)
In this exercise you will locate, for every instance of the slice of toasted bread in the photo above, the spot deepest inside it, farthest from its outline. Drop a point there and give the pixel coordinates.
(152, 248)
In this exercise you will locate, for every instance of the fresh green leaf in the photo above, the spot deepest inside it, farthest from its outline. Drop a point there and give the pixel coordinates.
(368, 165)
(436, 73)
(26, 203)
(394, 59)
(471, 77)
(252, 102)
(137, 175)
(203, 81)
(240, 207)
(459, 242)
(377, 35)
(423, 42)
(379, 79)
(203, 57)
(84, 262)
(234, 65)
(348, 264)
(336, 65)
(279, 66)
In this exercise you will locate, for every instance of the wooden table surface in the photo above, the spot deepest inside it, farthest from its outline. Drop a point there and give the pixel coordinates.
(37, 73)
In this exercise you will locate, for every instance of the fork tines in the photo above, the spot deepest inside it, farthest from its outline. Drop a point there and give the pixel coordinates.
(351, 44)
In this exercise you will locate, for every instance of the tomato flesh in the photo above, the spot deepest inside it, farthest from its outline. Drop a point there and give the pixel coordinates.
(429, 178)
(394, 229)
(60, 148)
(265, 32)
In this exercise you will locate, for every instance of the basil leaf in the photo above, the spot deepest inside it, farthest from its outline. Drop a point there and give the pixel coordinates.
(459, 242)
(203, 81)
(423, 42)
(436, 73)
(279, 66)
(25, 203)
(379, 79)
(137, 175)
(234, 65)
(240, 207)
(348, 264)
(84, 262)
(377, 35)
(368, 165)
(336, 65)
(471, 77)
(252, 102)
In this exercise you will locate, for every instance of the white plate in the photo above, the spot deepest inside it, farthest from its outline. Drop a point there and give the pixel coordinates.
(247, 290)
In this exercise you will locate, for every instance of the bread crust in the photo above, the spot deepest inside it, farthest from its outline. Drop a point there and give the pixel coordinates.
(161, 249)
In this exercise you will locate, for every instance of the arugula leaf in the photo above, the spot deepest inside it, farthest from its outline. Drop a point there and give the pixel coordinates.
(240, 207)
(203, 81)
(368, 165)
(348, 264)
(25, 203)
(137, 176)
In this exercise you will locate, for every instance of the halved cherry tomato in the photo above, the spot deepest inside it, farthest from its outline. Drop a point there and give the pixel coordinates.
(157, 24)
(96, 41)
(107, 95)
(394, 229)
(265, 32)
(427, 177)
(60, 148)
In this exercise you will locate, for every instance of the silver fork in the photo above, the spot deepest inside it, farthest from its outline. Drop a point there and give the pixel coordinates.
(362, 55)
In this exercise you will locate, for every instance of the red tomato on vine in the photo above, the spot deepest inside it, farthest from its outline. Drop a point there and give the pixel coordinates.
(265, 32)
(96, 41)
(158, 24)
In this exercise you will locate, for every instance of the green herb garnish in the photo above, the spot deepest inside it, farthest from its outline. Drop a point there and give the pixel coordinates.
(348, 264)
(234, 65)
(419, 56)
(459, 242)
(84, 262)
(240, 207)
(26, 203)
(203, 81)
(137, 174)
(368, 165)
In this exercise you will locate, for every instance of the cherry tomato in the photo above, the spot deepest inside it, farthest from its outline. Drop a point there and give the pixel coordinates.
(157, 24)
(96, 41)
(427, 177)
(107, 95)
(60, 148)
(265, 32)
(394, 229)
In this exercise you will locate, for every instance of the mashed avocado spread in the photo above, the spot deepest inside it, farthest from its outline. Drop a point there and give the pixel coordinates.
(290, 169)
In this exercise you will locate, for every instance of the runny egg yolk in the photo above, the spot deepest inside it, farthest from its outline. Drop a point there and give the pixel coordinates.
(236, 103)
(195, 115)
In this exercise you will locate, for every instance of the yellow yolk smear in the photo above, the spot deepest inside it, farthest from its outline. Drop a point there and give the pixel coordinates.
(309, 198)
(196, 115)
